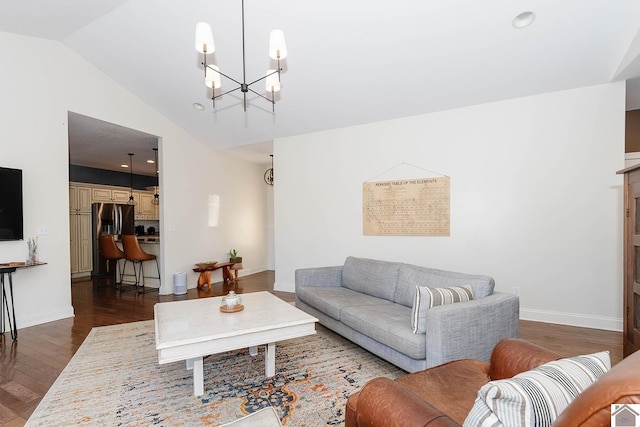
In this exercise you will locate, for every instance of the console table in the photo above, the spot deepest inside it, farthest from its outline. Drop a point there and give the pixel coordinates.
(8, 270)
(204, 280)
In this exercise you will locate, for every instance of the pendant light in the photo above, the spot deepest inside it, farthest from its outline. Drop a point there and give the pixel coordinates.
(268, 175)
(156, 196)
(131, 201)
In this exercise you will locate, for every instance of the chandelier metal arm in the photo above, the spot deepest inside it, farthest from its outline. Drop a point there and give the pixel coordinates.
(229, 91)
(260, 95)
(222, 74)
(264, 77)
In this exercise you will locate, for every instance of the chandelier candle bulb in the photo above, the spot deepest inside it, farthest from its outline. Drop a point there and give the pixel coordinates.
(272, 81)
(212, 77)
(204, 38)
(277, 45)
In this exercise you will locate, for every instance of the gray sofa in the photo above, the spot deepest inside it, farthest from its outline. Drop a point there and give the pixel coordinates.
(370, 303)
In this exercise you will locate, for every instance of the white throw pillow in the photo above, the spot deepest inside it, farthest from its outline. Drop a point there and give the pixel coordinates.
(535, 398)
(427, 298)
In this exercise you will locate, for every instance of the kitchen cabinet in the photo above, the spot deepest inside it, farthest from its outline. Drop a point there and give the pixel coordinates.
(145, 209)
(81, 245)
(101, 194)
(120, 196)
(79, 199)
(80, 239)
(109, 195)
(91, 193)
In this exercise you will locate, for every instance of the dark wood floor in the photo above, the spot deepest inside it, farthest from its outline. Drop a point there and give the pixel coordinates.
(30, 365)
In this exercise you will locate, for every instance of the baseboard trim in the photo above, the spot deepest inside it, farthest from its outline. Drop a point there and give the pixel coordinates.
(284, 287)
(572, 319)
(248, 271)
(25, 322)
(167, 288)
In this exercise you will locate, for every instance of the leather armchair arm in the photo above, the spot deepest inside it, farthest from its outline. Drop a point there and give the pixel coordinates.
(513, 356)
(384, 402)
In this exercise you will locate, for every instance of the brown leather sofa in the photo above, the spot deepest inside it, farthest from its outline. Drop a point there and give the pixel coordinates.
(442, 396)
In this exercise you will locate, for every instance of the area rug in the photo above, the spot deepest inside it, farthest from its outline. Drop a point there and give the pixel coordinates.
(114, 379)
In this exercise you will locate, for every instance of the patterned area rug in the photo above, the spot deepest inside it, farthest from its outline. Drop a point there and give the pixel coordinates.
(115, 379)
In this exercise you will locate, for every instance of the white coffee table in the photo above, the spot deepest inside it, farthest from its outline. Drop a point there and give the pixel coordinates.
(189, 330)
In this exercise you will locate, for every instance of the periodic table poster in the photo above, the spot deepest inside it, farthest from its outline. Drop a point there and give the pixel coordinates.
(411, 207)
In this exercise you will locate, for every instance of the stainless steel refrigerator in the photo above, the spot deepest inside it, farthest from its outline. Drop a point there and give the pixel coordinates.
(109, 218)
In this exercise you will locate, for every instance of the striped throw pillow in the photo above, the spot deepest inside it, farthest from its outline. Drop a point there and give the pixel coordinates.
(536, 397)
(427, 298)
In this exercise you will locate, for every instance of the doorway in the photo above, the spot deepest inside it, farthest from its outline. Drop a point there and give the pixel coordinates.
(102, 171)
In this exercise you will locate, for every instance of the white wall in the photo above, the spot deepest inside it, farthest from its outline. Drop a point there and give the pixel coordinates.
(271, 250)
(189, 174)
(40, 82)
(535, 199)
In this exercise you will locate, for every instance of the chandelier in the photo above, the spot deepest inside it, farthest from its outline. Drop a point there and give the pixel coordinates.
(212, 73)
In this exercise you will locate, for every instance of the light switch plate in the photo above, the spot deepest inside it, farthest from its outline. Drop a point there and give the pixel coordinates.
(43, 230)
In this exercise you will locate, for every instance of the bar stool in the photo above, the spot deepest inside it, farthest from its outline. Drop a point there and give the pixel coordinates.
(110, 251)
(134, 253)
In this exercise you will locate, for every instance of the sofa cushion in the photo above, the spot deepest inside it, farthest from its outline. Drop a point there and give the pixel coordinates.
(371, 277)
(332, 300)
(538, 396)
(427, 298)
(410, 276)
(393, 331)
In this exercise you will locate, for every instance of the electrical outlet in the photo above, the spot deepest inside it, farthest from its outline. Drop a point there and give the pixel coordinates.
(516, 290)
(43, 230)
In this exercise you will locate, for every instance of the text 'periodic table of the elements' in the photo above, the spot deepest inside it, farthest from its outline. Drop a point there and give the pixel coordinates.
(410, 207)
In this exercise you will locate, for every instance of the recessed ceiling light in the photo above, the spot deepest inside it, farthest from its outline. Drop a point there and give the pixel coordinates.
(524, 19)
(198, 106)
(124, 166)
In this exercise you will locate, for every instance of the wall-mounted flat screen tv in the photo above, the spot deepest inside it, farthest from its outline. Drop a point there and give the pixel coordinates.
(11, 222)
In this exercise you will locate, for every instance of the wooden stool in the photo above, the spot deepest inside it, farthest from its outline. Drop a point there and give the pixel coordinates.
(205, 273)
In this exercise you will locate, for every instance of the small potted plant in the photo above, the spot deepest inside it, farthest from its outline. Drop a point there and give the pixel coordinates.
(233, 256)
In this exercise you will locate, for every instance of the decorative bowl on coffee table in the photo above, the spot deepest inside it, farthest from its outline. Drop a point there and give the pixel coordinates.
(231, 303)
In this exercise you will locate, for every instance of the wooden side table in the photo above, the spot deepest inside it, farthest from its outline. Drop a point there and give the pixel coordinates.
(204, 280)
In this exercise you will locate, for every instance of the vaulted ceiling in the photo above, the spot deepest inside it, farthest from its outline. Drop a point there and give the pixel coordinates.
(350, 62)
